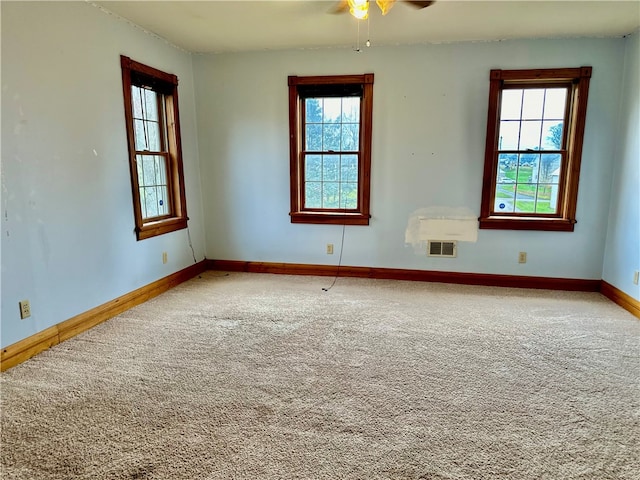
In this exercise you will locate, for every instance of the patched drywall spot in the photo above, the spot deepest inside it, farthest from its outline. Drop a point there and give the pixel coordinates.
(440, 223)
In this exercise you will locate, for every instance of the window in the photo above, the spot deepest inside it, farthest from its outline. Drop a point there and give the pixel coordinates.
(330, 144)
(535, 129)
(155, 153)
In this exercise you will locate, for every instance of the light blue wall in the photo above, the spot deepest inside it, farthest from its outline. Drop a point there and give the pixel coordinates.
(622, 253)
(429, 128)
(68, 243)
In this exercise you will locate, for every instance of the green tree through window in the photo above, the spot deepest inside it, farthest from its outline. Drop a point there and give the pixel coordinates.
(332, 129)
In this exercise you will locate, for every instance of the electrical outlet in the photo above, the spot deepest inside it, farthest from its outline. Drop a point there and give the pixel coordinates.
(164, 257)
(25, 309)
(329, 248)
(636, 274)
(522, 257)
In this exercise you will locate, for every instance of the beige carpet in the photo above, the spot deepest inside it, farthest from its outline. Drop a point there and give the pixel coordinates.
(249, 376)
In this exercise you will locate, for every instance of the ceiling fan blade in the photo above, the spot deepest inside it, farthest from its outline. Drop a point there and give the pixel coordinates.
(340, 6)
(419, 4)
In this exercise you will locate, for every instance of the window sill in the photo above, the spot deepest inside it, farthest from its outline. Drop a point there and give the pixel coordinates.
(153, 229)
(330, 218)
(527, 223)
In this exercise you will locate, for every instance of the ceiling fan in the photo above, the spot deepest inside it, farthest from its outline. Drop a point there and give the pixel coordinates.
(360, 8)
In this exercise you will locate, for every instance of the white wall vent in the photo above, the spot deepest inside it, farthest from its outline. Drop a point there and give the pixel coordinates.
(439, 248)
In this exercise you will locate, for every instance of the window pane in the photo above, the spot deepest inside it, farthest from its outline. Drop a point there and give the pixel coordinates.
(313, 137)
(555, 102)
(349, 168)
(349, 195)
(140, 167)
(535, 170)
(351, 109)
(146, 170)
(525, 198)
(509, 134)
(149, 171)
(550, 168)
(543, 201)
(532, 102)
(143, 203)
(163, 200)
(330, 168)
(140, 134)
(553, 197)
(511, 104)
(161, 170)
(528, 168)
(504, 202)
(136, 101)
(350, 137)
(313, 110)
(530, 135)
(332, 110)
(552, 135)
(331, 195)
(153, 129)
(313, 168)
(331, 137)
(507, 168)
(149, 198)
(147, 136)
(150, 106)
(313, 195)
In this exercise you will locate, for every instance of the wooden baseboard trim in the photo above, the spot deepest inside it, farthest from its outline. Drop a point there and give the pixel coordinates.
(570, 284)
(618, 296)
(24, 349)
(17, 353)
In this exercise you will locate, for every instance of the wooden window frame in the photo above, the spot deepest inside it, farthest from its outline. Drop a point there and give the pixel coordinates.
(361, 214)
(565, 218)
(135, 73)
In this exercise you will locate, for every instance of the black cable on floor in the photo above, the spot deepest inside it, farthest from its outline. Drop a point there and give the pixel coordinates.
(339, 261)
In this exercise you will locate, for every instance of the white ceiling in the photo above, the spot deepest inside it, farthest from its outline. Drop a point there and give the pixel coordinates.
(244, 25)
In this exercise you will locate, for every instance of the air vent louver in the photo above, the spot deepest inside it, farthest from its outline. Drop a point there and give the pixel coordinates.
(439, 248)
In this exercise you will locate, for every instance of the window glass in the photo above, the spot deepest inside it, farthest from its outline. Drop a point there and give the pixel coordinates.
(522, 129)
(330, 183)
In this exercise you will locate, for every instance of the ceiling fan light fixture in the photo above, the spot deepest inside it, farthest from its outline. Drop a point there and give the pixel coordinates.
(385, 5)
(359, 8)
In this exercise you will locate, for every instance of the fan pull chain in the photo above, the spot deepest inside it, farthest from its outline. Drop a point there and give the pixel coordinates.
(368, 42)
